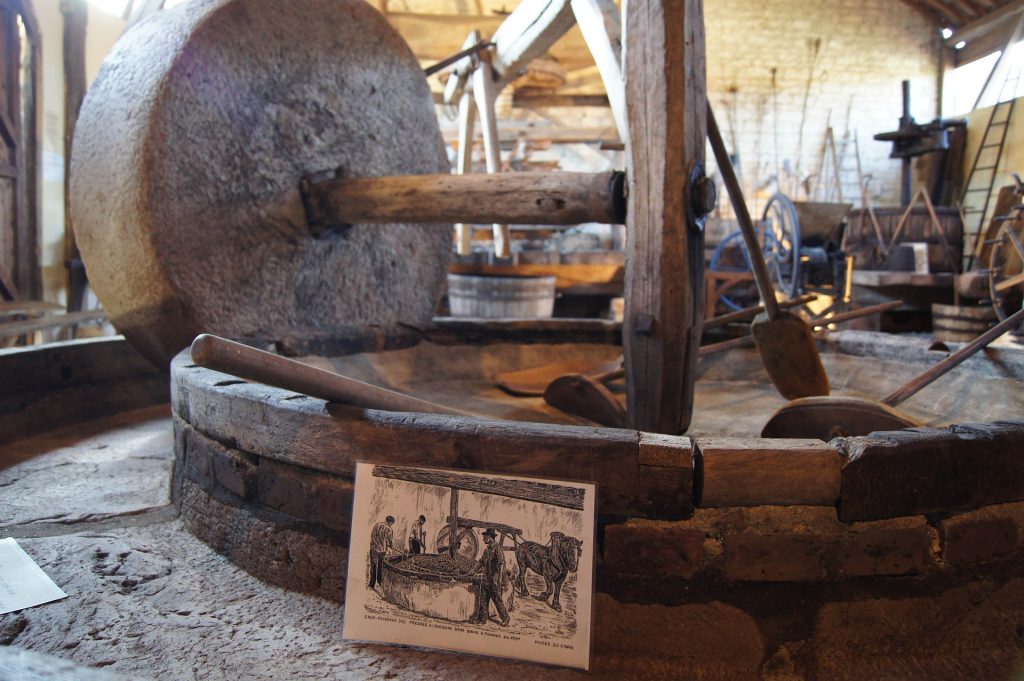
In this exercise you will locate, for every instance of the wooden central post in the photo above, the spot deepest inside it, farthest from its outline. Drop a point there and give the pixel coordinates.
(664, 287)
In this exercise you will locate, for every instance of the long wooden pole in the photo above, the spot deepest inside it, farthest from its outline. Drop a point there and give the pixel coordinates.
(546, 198)
(762, 277)
(953, 360)
(253, 364)
(484, 93)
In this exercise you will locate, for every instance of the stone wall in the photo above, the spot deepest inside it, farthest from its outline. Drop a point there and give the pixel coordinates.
(837, 62)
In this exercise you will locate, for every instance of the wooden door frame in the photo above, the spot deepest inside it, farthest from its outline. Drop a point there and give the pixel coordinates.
(25, 281)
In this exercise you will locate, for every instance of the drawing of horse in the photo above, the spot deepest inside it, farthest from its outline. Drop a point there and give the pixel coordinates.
(553, 562)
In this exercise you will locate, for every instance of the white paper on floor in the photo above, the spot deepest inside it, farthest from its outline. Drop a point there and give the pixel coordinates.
(22, 583)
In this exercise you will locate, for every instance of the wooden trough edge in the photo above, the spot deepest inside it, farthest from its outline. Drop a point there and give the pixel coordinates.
(248, 507)
(883, 475)
(70, 382)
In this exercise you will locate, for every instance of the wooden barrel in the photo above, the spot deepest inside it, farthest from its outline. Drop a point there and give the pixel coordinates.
(961, 324)
(500, 297)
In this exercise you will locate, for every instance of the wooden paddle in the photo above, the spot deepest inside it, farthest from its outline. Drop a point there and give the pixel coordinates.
(534, 381)
(828, 417)
(784, 341)
(586, 396)
(220, 354)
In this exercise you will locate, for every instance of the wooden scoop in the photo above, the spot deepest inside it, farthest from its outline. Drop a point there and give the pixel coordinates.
(534, 381)
(220, 354)
(783, 339)
(584, 395)
(587, 396)
(828, 417)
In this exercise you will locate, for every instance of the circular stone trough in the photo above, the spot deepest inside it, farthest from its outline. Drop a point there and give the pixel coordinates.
(801, 553)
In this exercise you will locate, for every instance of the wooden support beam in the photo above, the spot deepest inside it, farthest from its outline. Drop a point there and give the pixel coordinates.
(664, 287)
(467, 120)
(602, 29)
(76, 17)
(484, 93)
(8, 291)
(22, 327)
(527, 33)
(945, 10)
(26, 244)
(529, 100)
(510, 132)
(1015, 34)
(528, 490)
(141, 10)
(993, 20)
(467, 116)
(7, 130)
(33, 307)
(968, 8)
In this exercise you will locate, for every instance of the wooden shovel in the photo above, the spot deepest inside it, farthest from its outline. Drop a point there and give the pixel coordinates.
(586, 396)
(828, 417)
(783, 339)
(534, 381)
(220, 354)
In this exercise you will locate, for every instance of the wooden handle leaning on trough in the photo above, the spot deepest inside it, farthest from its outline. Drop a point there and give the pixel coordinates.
(953, 360)
(249, 363)
(543, 198)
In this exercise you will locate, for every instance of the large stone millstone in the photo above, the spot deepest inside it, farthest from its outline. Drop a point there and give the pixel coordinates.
(188, 156)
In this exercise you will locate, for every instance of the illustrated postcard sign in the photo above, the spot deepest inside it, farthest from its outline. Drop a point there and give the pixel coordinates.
(487, 564)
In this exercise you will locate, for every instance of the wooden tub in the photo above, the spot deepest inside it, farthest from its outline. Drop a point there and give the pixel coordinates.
(451, 597)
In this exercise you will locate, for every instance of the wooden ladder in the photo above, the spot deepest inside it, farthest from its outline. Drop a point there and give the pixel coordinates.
(976, 198)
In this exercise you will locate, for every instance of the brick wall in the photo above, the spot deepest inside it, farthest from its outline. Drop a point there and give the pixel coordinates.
(865, 48)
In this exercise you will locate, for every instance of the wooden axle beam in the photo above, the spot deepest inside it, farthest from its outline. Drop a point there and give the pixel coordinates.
(547, 198)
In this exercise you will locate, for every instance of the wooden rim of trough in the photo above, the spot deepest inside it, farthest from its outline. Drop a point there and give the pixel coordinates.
(260, 471)
(638, 474)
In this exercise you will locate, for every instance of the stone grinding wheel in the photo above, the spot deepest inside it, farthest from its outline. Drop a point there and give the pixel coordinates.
(188, 156)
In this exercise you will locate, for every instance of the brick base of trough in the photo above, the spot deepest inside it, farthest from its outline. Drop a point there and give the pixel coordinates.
(896, 553)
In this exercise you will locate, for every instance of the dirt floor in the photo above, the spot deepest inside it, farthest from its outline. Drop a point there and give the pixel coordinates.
(147, 600)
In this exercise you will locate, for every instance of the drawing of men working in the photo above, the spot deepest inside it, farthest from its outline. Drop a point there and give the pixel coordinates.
(418, 536)
(492, 568)
(381, 539)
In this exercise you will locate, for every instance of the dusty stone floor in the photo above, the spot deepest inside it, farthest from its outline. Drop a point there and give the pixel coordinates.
(148, 600)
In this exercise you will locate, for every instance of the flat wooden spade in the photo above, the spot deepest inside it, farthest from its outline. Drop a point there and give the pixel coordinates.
(532, 382)
(588, 397)
(828, 417)
(784, 340)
